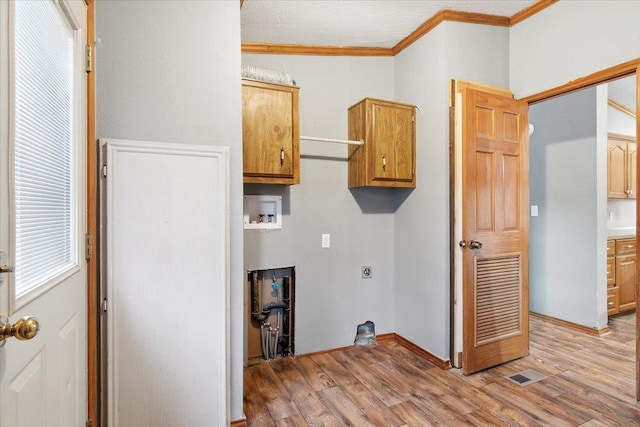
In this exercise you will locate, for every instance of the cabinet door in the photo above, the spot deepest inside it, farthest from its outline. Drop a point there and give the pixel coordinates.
(268, 132)
(632, 148)
(393, 136)
(611, 271)
(616, 170)
(613, 302)
(626, 281)
(404, 144)
(383, 118)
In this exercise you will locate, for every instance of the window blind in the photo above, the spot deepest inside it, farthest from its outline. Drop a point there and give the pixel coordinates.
(43, 170)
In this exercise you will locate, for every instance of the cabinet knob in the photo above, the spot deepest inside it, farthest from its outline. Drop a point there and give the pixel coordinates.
(281, 156)
(384, 162)
(610, 303)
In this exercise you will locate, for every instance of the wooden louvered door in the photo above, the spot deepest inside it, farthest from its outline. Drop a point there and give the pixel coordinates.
(495, 198)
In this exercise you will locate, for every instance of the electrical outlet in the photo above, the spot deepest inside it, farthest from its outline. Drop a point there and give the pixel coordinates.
(367, 272)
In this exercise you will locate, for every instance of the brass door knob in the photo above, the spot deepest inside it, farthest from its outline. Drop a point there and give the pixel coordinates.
(24, 329)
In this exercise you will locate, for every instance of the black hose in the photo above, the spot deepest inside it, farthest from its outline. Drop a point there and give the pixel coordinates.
(285, 340)
(255, 297)
(257, 314)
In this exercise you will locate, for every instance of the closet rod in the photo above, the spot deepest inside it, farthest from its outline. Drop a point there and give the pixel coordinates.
(337, 141)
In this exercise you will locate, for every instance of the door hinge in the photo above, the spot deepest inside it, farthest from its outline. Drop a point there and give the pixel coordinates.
(89, 423)
(88, 65)
(104, 171)
(104, 305)
(88, 246)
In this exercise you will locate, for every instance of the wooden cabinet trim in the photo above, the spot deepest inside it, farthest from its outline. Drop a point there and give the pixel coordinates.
(625, 247)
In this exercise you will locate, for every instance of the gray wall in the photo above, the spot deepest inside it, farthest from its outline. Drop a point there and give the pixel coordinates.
(572, 39)
(423, 73)
(406, 231)
(421, 227)
(169, 71)
(331, 297)
(565, 263)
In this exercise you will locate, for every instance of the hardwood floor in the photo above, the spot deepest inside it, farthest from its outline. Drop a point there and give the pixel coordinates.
(590, 382)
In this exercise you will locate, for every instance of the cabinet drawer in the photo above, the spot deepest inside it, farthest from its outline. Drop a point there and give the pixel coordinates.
(611, 247)
(611, 271)
(626, 246)
(613, 301)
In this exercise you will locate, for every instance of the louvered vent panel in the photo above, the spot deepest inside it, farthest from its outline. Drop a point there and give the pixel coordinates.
(498, 298)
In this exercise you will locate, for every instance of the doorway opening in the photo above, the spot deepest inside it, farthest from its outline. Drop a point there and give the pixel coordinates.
(583, 206)
(605, 76)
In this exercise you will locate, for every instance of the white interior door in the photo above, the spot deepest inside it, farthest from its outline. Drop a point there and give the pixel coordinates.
(43, 211)
(166, 284)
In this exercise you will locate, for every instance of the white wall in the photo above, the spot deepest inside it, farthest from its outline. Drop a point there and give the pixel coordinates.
(620, 123)
(572, 39)
(331, 297)
(422, 76)
(169, 71)
(566, 271)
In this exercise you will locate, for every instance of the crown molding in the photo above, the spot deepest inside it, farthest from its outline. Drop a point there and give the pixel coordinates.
(300, 49)
(621, 108)
(530, 11)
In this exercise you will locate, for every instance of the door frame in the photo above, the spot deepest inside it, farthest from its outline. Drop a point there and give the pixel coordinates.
(92, 256)
(608, 74)
(622, 70)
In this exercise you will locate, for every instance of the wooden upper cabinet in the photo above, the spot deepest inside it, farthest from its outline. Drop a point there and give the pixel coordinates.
(270, 133)
(387, 158)
(632, 164)
(621, 167)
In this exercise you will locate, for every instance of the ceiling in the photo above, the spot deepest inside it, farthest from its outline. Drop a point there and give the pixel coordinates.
(356, 23)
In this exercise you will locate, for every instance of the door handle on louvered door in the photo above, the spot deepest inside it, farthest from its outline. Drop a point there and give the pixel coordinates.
(24, 329)
(475, 245)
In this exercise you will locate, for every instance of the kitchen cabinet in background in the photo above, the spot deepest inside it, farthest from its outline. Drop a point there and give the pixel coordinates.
(621, 276)
(621, 167)
(613, 298)
(626, 273)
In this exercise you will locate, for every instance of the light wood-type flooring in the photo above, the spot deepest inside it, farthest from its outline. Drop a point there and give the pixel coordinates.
(590, 383)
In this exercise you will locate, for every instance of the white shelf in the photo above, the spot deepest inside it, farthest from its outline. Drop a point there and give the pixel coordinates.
(254, 206)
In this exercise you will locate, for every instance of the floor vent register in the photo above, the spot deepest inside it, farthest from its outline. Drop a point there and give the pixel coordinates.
(527, 377)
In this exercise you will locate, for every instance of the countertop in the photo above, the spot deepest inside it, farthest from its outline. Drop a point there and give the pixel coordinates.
(621, 233)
